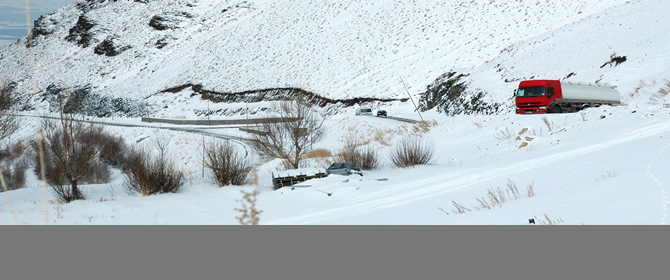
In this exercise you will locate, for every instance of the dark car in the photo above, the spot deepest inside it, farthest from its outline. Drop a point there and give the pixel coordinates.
(381, 113)
(343, 168)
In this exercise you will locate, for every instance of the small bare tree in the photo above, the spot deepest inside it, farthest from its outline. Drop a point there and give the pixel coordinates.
(227, 166)
(294, 126)
(9, 124)
(70, 155)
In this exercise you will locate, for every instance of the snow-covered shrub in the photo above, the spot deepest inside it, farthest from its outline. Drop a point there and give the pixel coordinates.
(71, 153)
(451, 95)
(227, 166)
(365, 158)
(149, 174)
(411, 151)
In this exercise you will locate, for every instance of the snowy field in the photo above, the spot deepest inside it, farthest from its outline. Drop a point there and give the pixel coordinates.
(585, 170)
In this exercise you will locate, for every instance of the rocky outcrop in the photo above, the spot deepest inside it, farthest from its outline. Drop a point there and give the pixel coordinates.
(170, 20)
(110, 47)
(81, 33)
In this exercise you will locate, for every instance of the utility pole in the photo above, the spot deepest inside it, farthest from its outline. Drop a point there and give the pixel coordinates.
(410, 97)
(203, 156)
(247, 106)
(208, 113)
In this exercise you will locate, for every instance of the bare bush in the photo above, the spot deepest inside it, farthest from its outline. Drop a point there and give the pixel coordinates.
(299, 126)
(71, 156)
(365, 158)
(411, 151)
(227, 166)
(149, 174)
(113, 150)
(14, 161)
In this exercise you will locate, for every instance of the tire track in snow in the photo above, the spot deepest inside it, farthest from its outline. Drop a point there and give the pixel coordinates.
(664, 195)
(439, 186)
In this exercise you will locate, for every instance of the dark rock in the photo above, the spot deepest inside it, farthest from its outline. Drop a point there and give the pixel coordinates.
(169, 20)
(81, 33)
(109, 47)
(162, 42)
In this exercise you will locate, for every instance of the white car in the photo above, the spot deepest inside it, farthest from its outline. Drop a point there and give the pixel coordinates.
(364, 112)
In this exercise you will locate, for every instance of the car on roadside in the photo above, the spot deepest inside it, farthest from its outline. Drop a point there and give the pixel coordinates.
(343, 168)
(381, 113)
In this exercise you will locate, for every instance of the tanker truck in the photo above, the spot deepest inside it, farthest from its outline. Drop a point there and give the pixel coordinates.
(553, 96)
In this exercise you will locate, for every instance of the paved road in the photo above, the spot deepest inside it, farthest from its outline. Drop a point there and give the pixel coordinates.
(240, 140)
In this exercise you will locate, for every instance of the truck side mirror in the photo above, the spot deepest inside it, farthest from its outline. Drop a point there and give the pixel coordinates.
(515, 92)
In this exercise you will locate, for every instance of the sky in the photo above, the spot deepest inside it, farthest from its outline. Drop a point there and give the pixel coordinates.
(13, 16)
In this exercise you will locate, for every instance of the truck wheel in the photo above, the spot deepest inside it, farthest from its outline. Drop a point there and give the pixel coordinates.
(556, 109)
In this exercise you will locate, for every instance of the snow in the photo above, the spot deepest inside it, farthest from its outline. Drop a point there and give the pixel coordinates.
(604, 165)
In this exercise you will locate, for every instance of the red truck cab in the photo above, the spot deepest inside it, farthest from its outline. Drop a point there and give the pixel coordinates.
(537, 96)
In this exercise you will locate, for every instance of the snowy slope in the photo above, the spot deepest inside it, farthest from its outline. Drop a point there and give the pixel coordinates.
(338, 49)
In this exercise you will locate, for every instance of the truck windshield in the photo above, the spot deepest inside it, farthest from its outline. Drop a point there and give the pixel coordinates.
(530, 92)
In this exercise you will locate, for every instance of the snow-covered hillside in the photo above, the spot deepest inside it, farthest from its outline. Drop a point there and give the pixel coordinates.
(337, 49)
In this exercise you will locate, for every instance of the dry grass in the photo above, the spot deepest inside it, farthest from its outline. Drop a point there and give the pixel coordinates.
(412, 151)
(545, 220)
(319, 153)
(460, 209)
(495, 197)
(609, 174)
(249, 214)
(423, 126)
(512, 190)
(665, 89)
(550, 125)
(504, 134)
(384, 136)
(478, 125)
(530, 192)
